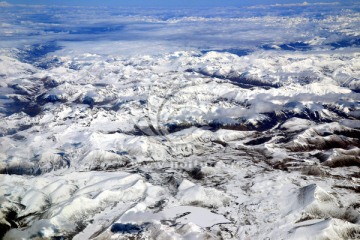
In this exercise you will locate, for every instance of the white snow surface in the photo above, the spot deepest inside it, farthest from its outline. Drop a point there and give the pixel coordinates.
(71, 138)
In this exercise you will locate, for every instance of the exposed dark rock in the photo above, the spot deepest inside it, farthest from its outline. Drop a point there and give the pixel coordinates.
(259, 141)
(196, 173)
(125, 228)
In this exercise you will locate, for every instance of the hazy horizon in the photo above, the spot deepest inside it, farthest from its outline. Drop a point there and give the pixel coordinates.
(171, 4)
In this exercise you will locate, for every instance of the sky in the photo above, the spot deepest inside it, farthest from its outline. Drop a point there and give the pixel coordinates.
(164, 3)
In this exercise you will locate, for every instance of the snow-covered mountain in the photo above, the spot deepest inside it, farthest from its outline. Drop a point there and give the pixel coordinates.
(133, 127)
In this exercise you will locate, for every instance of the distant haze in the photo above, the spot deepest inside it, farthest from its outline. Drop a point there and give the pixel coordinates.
(165, 3)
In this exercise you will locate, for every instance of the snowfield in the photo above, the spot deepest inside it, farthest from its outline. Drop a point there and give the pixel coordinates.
(238, 138)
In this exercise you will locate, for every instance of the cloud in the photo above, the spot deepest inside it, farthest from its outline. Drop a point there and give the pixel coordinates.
(5, 4)
(303, 4)
(118, 30)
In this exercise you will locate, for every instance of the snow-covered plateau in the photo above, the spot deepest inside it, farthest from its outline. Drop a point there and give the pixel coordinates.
(180, 138)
